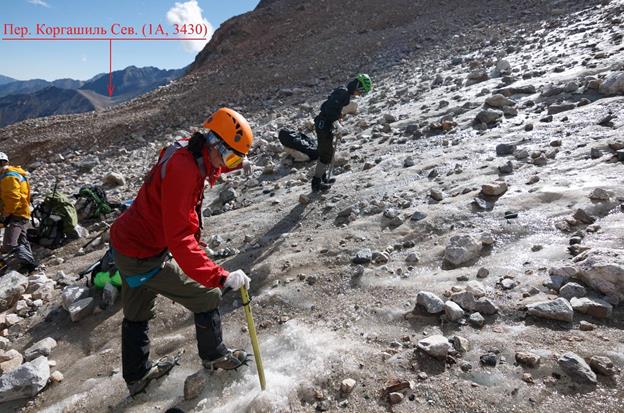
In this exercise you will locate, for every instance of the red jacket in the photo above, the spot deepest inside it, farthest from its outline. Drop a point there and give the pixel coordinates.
(163, 216)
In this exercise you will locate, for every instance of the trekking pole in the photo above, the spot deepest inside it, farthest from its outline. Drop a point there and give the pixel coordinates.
(252, 335)
(337, 137)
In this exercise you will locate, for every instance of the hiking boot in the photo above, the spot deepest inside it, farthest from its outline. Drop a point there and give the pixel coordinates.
(231, 361)
(328, 179)
(162, 367)
(319, 185)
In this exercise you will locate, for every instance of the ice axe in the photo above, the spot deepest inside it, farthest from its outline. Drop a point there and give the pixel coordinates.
(252, 335)
(337, 137)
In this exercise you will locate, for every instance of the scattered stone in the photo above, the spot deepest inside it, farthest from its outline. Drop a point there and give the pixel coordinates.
(57, 377)
(41, 348)
(595, 153)
(395, 398)
(528, 359)
(194, 385)
(476, 320)
(586, 326)
(412, 258)
(12, 287)
(582, 216)
(489, 359)
(602, 365)
(483, 273)
(81, 309)
(575, 367)
(465, 300)
(10, 360)
(363, 256)
(25, 381)
(613, 84)
(73, 293)
(436, 346)
(109, 295)
(460, 344)
(304, 199)
(489, 116)
(485, 306)
(476, 288)
(227, 195)
(436, 195)
(571, 289)
(462, 249)
(599, 194)
(559, 309)
(506, 169)
(499, 101)
(418, 216)
(347, 386)
(453, 311)
(594, 307)
(431, 302)
(494, 189)
(555, 109)
(114, 179)
(505, 149)
(408, 162)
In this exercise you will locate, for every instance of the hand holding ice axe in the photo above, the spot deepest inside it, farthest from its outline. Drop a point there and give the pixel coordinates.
(239, 280)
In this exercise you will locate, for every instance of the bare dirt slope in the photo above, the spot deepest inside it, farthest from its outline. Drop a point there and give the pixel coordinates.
(336, 276)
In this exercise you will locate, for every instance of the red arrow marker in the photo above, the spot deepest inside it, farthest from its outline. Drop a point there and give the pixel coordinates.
(110, 86)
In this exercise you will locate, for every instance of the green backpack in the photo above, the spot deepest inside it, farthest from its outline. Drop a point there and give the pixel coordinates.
(54, 221)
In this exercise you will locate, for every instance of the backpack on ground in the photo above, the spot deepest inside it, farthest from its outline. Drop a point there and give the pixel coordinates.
(54, 221)
(299, 145)
(103, 271)
(92, 203)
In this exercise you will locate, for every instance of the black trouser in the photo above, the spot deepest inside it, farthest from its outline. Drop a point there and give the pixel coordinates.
(325, 139)
(135, 343)
(15, 241)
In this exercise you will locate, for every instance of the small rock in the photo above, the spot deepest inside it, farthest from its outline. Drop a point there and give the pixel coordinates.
(347, 386)
(559, 309)
(56, 377)
(489, 359)
(494, 189)
(592, 306)
(462, 249)
(453, 311)
(431, 302)
(41, 348)
(575, 367)
(194, 385)
(599, 194)
(81, 309)
(571, 289)
(602, 365)
(436, 195)
(586, 326)
(460, 344)
(582, 216)
(363, 256)
(528, 359)
(476, 320)
(436, 346)
(25, 381)
(395, 398)
(10, 360)
(114, 179)
(483, 273)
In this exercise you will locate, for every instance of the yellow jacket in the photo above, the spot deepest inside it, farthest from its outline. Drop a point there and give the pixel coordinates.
(15, 192)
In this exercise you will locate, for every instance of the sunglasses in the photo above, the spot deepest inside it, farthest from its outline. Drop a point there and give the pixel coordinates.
(231, 158)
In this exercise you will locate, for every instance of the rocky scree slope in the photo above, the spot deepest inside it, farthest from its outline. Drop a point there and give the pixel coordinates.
(468, 258)
(310, 47)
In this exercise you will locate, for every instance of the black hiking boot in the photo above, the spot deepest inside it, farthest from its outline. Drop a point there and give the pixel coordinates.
(159, 369)
(319, 185)
(328, 179)
(231, 361)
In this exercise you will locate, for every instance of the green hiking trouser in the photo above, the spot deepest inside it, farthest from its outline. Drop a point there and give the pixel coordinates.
(170, 282)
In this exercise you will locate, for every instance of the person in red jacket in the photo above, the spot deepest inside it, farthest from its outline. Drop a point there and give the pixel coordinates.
(164, 221)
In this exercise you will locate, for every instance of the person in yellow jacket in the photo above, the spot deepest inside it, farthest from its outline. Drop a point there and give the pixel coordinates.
(15, 211)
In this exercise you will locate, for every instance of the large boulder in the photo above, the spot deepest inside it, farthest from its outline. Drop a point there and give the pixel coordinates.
(603, 270)
(12, 286)
(559, 309)
(462, 249)
(25, 381)
(594, 307)
(575, 367)
(613, 84)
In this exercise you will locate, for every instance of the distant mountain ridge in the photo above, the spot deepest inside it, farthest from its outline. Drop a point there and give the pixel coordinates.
(34, 98)
(6, 79)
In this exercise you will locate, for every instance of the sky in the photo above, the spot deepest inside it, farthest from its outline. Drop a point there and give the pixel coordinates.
(82, 60)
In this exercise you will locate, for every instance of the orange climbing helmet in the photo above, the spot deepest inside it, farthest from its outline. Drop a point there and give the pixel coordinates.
(232, 128)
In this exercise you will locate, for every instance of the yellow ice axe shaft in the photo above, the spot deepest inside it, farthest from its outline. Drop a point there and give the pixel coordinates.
(252, 334)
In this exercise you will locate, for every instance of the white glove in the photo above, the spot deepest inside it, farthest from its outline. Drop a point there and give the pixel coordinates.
(237, 279)
(247, 167)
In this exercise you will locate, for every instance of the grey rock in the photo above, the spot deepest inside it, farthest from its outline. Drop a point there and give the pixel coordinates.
(599, 194)
(571, 290)
(465, 300)
(603, 270)
(460, 344)
(363, 256)
(595, 153)
(436, 195)
(476, 320)
(489, 359)
(408, 162)
(499, 101)
(575, 367)
(194, 385)
(25, 381)
(504, 149)
(462, 249)
(528, 359)
(412, 258)
(483, 273)
(81, 309)
(41, 348)
(476, 288)
(554, 109)
(436, 346)
(453, 311)
(486, 306)
(592, 306)
(602, 365)
(489, 116)
(12, 287)
(559, 309)
(73, 293)
(582, 216)
(227, 195)
(494, 189)
(613, 84)
(109, 295)
(114, 179)
(431, 302)
(418, 216)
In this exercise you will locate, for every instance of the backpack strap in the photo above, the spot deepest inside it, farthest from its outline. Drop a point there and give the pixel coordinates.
(172, 149)
(14, 174)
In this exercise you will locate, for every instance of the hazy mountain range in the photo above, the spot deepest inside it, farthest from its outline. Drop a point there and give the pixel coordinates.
(34, 98)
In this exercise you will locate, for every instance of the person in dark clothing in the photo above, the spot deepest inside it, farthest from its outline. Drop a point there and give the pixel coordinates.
(331, 111)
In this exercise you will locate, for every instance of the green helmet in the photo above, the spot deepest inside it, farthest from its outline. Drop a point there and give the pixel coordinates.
(366, 84)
